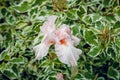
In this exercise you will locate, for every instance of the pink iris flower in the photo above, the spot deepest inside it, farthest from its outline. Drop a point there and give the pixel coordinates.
(63, 40)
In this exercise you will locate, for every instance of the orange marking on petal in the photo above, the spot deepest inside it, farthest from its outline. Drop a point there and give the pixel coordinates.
(63, 42)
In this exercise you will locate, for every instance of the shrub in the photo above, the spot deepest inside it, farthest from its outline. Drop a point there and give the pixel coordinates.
(95, 22)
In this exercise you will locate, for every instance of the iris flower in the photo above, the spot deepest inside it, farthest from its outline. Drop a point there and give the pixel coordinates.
(63, 40)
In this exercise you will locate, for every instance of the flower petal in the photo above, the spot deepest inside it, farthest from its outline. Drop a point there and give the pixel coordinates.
(75, 40)
(48, 29)
(65, 28)
(41, 50)
(68, 54)
(49, 25)
(63, 32)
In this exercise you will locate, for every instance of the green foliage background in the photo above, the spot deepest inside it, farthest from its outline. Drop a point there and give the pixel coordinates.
(95, 22)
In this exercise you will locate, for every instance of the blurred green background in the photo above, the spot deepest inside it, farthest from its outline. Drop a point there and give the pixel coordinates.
(95, 22)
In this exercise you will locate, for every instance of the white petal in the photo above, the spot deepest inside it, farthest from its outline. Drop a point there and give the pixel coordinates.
(48, 38)
(63, 32)
(65, 28)
(49, 25)
(68, 54)
(52, 18)
(41, 50)
(76, 52)
(75, 40)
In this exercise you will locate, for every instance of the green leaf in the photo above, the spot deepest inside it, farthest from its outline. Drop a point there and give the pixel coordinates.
(34, 12)
(45, 63)
(15, 69)
(95, 17)
(94, 30)
(117, 25)
(116, 31)
(99, 25)
(88, 75)
(118, 12)
(21, 24)
(87, 19)
(90, 37)
(75, 29)
(19, 60)
(2, 55)
(10, 74)
(39, 2)
(4, 27)
(72, 14)
(113, 73)
(52, 78)
(2, 66)
(81, 12)
(95, 51)
(3, 11)
(100, 78)
(106, 2)
(117, 42)
(23, 7)
(110, 18)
